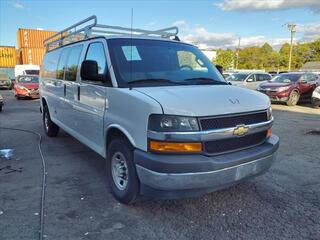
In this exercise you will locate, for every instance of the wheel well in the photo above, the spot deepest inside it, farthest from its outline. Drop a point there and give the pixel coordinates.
(114, 133)
(44, 102)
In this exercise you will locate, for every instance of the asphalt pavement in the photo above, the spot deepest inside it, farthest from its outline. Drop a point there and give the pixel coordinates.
(284, 203)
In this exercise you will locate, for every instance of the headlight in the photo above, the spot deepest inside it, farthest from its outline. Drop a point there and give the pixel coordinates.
(22, 88)
(269, 113)
(281, 89)
(170, 123)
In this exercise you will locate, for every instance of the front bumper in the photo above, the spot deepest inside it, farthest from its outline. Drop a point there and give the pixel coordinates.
(5, 85)
(277, 96)
(199, 172)
(30, 93)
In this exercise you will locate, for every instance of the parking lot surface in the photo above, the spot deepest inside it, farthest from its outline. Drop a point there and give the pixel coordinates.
(284, 203)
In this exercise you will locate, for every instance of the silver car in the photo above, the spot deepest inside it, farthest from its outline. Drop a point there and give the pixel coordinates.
(249, 80)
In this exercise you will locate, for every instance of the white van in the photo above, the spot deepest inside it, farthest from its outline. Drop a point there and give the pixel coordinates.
(156, 109)
(26, 69)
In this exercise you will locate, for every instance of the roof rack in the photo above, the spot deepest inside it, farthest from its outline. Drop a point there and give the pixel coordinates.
(89, 28)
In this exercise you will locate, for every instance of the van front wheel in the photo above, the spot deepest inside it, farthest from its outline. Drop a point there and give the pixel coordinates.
(50, 127)
(121, 171)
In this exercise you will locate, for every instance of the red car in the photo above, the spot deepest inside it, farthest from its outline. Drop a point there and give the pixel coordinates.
(26, 86)
(290, 87)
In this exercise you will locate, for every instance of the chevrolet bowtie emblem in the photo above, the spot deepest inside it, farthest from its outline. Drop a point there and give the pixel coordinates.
(240, 130)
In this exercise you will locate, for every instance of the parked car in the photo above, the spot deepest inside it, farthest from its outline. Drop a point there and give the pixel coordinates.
(5, 82)
(168, 126)
(226, 74)
(248, 79)
(315, 98)
(290, 87)
(1, 102)
(26, 86)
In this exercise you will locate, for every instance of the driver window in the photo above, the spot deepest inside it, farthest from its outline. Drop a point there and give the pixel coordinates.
(188, 61)
(251, 78)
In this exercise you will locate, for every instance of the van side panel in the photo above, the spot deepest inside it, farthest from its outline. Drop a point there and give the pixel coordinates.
(130, 110)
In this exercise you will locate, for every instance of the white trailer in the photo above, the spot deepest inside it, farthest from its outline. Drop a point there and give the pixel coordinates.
(26, 69)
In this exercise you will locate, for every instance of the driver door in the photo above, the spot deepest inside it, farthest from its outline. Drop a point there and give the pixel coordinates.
(250, 82)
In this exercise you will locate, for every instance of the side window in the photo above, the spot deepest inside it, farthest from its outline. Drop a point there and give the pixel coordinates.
(96, 53)
(49, 65)
(259, 77)
(312, 77)
(72, 63)
(304, 77)
(251, 78)
(62, 63)
(267, 77)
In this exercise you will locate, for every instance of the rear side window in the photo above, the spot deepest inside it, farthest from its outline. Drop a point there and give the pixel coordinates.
(49, 65)
(96, 53)
(262, 77)
(62, 63)
(72, 63)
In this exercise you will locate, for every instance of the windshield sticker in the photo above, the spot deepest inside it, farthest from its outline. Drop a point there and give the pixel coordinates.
(131, 53)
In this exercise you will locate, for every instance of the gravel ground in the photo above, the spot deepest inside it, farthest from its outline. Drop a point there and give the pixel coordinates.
(284, 203)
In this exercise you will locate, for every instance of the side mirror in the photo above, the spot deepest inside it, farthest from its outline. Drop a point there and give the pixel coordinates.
(250, 80)
(303, 81)
(89, 71)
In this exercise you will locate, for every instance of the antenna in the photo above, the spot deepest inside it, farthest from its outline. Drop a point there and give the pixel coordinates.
(131, 44)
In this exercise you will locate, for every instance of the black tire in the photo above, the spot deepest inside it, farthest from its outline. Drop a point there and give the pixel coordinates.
(0, 108)
(293, 98)
(130, 191)
(50, 127)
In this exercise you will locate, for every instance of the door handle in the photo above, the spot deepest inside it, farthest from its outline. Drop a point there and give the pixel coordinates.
(64, 89)
(78, 93)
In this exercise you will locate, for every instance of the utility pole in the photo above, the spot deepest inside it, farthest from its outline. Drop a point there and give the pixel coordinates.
(292, 29)
(237, 54)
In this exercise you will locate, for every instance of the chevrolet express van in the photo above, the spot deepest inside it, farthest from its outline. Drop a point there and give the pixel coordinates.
(156, 109)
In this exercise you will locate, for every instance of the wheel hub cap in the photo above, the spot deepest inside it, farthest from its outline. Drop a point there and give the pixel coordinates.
(119, 170)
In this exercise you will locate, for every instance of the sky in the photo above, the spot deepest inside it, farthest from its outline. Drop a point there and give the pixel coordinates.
(210, 24)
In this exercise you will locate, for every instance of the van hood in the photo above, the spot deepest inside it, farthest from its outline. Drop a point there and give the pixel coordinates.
(206, 100)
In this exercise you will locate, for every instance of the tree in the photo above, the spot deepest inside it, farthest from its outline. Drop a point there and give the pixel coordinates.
(225, 58)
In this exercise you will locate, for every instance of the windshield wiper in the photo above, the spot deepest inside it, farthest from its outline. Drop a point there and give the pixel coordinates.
(155, 80)
(206, 80)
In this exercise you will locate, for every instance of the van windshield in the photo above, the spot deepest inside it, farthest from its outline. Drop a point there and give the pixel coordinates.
(146, 62)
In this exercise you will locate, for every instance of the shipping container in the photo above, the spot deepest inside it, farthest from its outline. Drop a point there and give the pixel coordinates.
(7, 56)
(31, 55)
(32, 38)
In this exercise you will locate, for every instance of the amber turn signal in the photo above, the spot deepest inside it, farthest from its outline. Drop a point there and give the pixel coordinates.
(269, 132)
(175, 147)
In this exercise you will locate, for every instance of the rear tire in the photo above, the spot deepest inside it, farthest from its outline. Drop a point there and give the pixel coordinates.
(50, 127)
(0, 108)
(121, 171)
(293, 98)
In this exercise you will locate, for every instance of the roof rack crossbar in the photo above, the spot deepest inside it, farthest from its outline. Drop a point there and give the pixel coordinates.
(89, 27)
